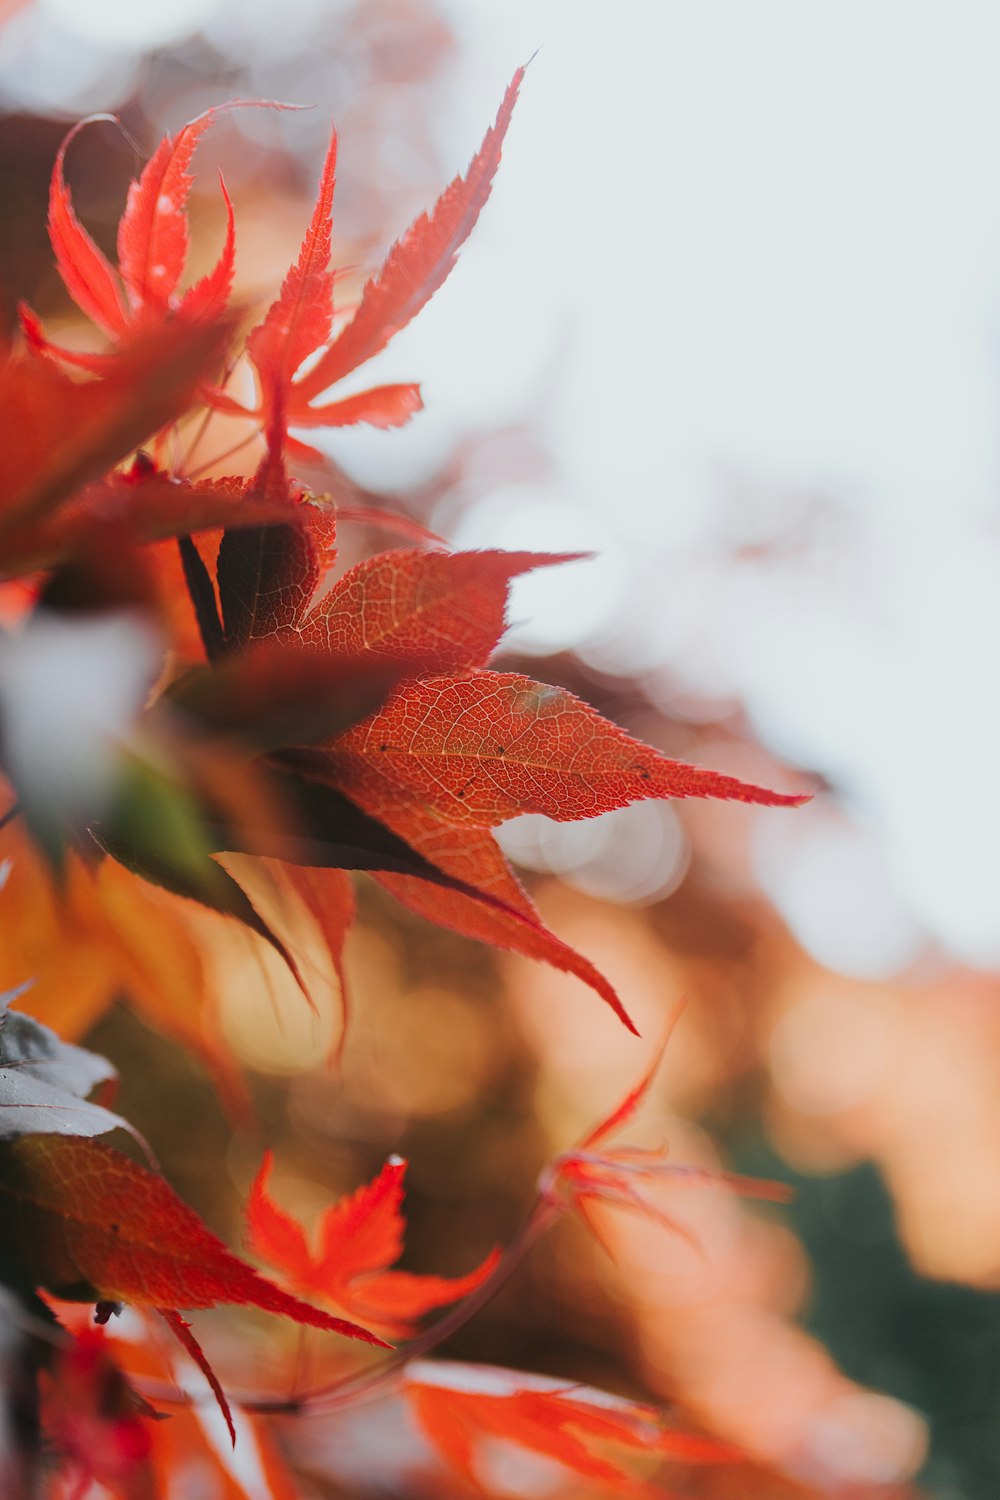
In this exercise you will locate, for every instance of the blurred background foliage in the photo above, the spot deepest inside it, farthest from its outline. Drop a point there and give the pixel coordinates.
(832, 1038)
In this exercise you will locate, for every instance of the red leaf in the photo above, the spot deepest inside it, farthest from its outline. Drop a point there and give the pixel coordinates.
(473, 856)
(329, 898)
(208, 297)
(149, 511)
(152, 247)
(464, 1409)
(62, 432)
(273, 1234)
(299, 322)
(594, 1171)
(358, 1237)
(95, 1421)
(450, 756)
(383, 406)
(415, 266)
(267, 575)
(181, 1331)
(446, 609)
(486, 746)
(86, 272)
(153, 232)
(623, 1112)
(278, 693)
(34, 337)
(82, 1215)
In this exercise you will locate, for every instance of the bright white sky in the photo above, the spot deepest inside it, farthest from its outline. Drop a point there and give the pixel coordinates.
(751, 248)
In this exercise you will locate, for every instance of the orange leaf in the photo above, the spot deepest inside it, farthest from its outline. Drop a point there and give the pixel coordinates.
(464, 1409)
(358, 1237)
(88, 1220)
(100, 936)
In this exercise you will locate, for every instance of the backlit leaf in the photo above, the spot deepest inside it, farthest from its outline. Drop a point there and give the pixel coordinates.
(299, 321)
(416, 265)
(63, 432)
(473, 856)
(486, 746)
(466, 1409)
(85, 270)
(446, 610)
(153, 232)
(358, 1238)
(93, 1224)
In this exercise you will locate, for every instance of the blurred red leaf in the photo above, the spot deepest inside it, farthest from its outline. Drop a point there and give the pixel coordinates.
(116, 509)
(95, 1421)
(464, 1409)
(63, 432)
(595, 1171)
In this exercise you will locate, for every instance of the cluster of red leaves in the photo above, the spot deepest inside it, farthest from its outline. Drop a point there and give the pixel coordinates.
(319, 729)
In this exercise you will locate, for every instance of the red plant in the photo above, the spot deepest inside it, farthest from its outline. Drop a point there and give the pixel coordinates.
(248, 709)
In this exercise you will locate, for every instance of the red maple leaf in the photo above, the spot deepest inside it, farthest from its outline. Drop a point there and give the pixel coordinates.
(152, 251)
(595, 1172)
(95, 1422)
(93, 1225)
(442, 610)
(465, 1409)
(63, 433)
(174, 1442)
(358, 1238)
(450, 757)
(299, 323)
(454, 750)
